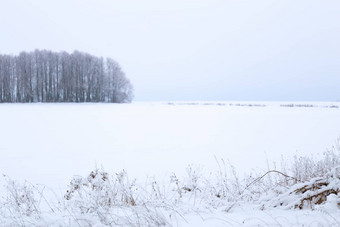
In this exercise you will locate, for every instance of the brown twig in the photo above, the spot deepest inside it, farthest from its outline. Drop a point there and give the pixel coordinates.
(270, 171)
(258, 179)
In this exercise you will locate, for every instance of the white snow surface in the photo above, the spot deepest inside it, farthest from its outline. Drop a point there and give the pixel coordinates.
(50, 143)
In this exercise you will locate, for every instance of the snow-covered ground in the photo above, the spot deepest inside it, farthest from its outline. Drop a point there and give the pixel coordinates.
(48, 144)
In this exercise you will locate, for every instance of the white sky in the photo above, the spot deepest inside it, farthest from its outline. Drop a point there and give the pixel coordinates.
(193, 49)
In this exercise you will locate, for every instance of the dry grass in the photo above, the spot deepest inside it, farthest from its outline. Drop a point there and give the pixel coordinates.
(114, 199)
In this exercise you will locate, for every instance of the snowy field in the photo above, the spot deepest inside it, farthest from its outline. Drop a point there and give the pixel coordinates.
(49, 144)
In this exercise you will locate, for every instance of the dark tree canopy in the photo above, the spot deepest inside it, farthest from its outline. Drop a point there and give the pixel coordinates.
(46, 76)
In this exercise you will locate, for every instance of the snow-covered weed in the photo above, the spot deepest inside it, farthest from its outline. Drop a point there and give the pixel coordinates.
(117, 200)
(21, 198)
(306, 168)
(99, 189)
(111, 200)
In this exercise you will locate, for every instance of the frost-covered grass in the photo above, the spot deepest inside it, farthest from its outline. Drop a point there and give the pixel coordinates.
(221, 197)
(249, 164)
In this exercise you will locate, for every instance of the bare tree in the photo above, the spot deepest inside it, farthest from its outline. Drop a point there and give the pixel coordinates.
(46, 76)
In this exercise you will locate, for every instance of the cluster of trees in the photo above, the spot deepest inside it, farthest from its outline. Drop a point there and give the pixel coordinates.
(46, 76)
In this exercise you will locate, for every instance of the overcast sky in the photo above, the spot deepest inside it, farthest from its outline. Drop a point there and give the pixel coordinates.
(287, 50)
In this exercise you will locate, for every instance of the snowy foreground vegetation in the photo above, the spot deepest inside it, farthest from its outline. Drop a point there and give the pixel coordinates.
(307, 187)
(294, 190)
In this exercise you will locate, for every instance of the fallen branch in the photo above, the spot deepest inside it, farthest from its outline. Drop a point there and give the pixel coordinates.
(257, 180)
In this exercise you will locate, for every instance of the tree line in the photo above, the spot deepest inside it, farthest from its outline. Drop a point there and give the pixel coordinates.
(46, 76)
